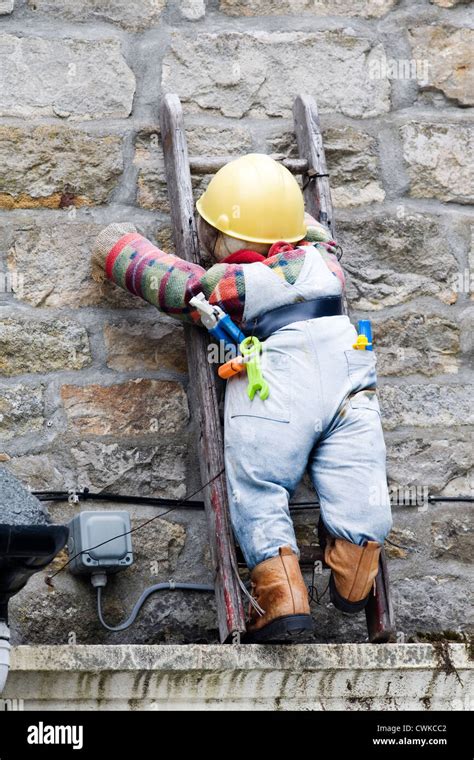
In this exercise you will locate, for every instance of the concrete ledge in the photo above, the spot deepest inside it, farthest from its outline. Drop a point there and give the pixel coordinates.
(299, 677)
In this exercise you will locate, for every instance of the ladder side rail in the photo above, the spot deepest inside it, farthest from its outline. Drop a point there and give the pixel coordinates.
(203, 397)
(318, 202)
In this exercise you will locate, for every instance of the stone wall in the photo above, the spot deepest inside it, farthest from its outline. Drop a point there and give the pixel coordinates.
(93, 386)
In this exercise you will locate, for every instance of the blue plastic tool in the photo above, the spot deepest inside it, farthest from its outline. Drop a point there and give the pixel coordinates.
(219, 324)
(364, 327)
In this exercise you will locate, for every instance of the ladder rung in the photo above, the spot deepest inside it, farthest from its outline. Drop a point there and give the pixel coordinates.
(308, 556)
(212, 164)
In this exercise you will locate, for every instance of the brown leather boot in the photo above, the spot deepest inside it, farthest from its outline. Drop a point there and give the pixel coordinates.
(354, 569)
(279, 589)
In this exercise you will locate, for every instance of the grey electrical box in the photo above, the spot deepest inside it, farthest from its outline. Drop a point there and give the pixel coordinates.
(89, 539)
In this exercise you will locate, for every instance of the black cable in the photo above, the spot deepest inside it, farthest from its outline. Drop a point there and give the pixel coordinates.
(150, 501)
(314, 596)
(86, 495)
(451, 498)
(400, 546)
(143, 597)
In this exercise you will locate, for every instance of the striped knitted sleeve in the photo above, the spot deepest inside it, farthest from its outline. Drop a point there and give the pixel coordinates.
(133, 263)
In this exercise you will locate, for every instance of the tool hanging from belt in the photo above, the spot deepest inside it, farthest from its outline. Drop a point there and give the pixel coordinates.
(251, 349)
(221, 327)
(219, 324)
(364, 338)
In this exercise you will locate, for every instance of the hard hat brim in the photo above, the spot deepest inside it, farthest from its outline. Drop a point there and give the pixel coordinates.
(248, 238)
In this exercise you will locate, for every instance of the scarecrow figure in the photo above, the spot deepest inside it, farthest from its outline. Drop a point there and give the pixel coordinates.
(276, 274)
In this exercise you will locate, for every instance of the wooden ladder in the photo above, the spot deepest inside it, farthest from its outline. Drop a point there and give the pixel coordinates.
(203, 394)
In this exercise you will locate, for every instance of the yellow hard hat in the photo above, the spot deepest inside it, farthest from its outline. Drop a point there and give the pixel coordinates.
(255, 198)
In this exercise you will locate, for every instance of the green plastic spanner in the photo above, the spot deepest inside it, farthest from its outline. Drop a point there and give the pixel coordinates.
(252, 348)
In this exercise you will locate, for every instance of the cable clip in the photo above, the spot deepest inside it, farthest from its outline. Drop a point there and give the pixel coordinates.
(72, 498)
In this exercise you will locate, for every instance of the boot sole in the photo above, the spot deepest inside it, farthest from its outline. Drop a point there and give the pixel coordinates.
(343, 605)
(282, 630)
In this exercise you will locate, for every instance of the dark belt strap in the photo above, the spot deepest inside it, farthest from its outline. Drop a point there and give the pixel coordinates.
(262, 327)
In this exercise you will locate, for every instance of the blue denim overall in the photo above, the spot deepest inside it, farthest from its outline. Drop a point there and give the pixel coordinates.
(322, 414)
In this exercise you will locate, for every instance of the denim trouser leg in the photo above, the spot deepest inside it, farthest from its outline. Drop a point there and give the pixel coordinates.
(347, 469)
(317, 415)
(260, 483)
(267, 445)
